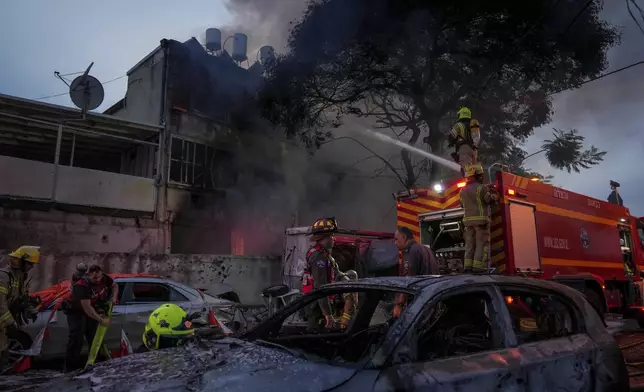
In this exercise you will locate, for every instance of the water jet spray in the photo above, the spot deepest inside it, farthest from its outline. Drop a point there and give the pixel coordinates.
(434, 158)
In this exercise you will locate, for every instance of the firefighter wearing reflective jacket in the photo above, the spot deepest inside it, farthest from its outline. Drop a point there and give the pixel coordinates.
(465, 136)
(14, 295)
(320, 269)
(475, 200)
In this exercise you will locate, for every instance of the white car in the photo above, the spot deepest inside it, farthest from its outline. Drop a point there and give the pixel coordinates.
(138, 297)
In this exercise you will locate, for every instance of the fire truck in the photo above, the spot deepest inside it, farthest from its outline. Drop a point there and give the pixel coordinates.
(540, 231)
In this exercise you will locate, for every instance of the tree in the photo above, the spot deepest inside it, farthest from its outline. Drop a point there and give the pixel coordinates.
(411, 64)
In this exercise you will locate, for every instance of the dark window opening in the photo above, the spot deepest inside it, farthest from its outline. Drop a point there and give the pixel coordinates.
(457, 325)
(537, 317)
(154, 292)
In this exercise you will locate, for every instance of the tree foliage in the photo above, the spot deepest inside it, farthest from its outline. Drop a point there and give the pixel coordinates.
(565, 152)
(410, 64)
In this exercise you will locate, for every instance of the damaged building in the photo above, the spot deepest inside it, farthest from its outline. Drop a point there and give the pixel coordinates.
(204, 101)
(181, 165)
(77, 185)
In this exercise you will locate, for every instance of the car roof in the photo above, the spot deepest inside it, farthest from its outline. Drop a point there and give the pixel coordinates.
(421, 283)
(150, 279)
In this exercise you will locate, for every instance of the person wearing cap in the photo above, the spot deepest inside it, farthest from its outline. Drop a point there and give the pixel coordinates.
(476, 199)
(13, 288)
(320, 269)
(465, 136)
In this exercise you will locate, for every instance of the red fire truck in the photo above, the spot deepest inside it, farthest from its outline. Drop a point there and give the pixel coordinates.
(541, 231)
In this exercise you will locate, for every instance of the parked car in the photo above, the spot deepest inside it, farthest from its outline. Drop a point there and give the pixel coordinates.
(138, 297)
(479, 333)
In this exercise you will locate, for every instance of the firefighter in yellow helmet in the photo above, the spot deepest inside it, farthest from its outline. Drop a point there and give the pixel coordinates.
(476, 199)
(168, 326)
(465, 136)
(14, 295)
(320, 269)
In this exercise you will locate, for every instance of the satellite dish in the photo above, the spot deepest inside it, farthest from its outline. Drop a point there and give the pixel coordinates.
(86, 92)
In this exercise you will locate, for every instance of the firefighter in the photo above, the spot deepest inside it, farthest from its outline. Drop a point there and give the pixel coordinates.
(14, 295)
(475, 200)
(320, 269)
(465, 136)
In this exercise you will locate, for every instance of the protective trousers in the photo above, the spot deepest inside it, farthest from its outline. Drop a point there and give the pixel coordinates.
(477, 245)
(81, 327)
(467, 156)
(314, 317)
(4, 340)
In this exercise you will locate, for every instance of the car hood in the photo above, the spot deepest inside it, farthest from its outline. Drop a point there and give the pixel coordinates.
(224, 365)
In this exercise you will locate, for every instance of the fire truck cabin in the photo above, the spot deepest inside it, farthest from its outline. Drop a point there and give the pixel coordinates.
(541, 231)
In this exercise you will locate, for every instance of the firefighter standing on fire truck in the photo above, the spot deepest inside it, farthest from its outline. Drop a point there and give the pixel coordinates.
(320, 269)
(14, 296)
(465, 136)
(476, 199)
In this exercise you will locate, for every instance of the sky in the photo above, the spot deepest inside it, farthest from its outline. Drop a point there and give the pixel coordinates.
(42, 36)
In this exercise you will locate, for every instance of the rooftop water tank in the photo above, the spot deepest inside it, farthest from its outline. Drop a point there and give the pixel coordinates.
(213, 40)
(266, 54)
(240, 43)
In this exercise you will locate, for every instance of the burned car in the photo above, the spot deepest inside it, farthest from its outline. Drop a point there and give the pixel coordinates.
(461, 332)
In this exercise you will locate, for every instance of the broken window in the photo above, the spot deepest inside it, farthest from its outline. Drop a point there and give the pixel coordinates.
(539, 316)
(362, 322)
(456, 325)
(199, 165)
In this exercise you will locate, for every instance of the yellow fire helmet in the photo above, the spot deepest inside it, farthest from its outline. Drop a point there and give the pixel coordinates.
(28, 253)
(324, 226)
(464, 112)
(473, 170)
(167, 326)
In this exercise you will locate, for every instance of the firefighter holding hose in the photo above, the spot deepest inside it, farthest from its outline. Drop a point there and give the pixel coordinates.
(465, 136)
(476, 199)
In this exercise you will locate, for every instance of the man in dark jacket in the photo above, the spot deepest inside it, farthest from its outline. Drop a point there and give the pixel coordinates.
(417, 259)
(90, 296)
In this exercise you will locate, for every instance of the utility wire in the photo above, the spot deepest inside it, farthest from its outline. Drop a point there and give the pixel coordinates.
(599, 77)
(65, 93)
(641, 12)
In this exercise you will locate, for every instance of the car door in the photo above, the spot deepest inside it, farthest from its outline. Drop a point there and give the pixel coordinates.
(457, 341)
(551, 337)
(143, 297)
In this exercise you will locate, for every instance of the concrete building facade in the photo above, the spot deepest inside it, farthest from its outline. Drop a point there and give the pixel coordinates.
(68, 183)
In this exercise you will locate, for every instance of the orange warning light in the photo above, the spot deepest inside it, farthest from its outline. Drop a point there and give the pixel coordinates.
(461, 184)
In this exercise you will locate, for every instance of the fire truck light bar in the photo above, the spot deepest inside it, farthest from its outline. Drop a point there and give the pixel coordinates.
(461, 184)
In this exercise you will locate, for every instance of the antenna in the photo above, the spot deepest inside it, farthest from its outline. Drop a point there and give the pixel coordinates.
(86, 92)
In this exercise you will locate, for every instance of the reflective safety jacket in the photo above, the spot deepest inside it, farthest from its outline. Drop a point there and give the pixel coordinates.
(466, 132)
(12, 288)
(475, 200)
(320, 269)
